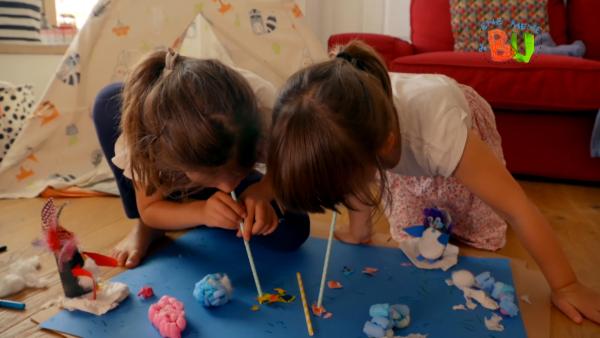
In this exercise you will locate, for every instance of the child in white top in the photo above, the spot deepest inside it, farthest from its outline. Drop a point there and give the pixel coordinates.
(341, 125)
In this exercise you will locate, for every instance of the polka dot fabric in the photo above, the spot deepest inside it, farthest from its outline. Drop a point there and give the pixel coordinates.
(16, 104)
(476, 224)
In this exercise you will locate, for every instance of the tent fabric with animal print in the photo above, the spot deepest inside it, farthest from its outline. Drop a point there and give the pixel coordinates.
(57, 146)
(16, 104)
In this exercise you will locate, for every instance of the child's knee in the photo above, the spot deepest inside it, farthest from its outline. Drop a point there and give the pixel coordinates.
(300, 223)
(293, 230)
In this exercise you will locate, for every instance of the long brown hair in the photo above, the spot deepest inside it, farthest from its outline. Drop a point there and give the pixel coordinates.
(329, 122)
(190, 115)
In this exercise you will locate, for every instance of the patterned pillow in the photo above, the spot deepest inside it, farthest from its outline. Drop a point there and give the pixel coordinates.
(472, 19)
(16, 104)
(20, 20)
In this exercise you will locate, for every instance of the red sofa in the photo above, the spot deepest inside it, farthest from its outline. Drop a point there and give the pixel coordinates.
(545, 109)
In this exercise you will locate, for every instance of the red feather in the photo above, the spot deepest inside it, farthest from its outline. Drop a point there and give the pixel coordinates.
(54, 235)
(81, 272)
(49, 214)
(52, 239)
(101, 260)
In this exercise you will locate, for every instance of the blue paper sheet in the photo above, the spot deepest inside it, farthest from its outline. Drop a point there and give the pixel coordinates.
(175, 269)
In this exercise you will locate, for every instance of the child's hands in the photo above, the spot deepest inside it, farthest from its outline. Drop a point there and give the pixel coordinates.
(261, 218)
(221, 211)
(577, 301)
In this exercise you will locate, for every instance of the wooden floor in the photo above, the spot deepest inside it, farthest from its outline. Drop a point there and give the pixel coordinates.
(574, 212)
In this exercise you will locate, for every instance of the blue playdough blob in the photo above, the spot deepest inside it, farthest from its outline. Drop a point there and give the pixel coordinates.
(386, 318)
(213, 290)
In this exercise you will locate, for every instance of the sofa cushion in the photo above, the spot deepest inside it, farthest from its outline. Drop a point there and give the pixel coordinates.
(547, 82)
(388, 47)
(557, 18)
(553, 145)
(584, 25)
(469, 18)
(431, 30)
(430, 26)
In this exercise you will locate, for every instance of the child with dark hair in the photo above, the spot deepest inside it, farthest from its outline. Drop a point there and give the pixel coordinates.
(345, 132)
(192, 131)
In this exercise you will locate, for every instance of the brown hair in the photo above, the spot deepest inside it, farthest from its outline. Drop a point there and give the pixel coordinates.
(187, 115)
(329, 122)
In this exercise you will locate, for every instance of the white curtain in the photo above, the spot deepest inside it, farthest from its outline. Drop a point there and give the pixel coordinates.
(327, 17)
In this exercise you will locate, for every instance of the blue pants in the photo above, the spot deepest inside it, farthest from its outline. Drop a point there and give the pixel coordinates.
(293, 229)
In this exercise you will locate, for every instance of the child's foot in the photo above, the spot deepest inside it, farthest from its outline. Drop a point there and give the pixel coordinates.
(130, 251)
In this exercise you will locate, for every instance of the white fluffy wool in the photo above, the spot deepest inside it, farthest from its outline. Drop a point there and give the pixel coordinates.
(409, 247)
(11, 284)
(429, 246)
(480, 297)
(493, 323)
(459, 307)
(21, 274)
(109, 296)
(526, 299)
(85, 282)
(463, 279)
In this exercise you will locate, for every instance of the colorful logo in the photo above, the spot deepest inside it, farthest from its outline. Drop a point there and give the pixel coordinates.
(500, 49)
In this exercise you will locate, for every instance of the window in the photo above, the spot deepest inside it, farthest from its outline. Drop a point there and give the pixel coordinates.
(73, 11)
(63, 18)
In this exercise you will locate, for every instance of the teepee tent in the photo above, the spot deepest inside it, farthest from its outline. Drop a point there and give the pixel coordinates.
(57, 146)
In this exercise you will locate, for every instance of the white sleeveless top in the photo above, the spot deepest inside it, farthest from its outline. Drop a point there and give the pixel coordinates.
(265, 97)
(434, 118)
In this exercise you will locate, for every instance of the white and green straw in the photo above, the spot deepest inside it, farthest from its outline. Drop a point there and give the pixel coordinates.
(249, 253)
(327, 255)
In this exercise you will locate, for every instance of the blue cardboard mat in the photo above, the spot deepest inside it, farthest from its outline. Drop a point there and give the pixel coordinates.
(175, 269)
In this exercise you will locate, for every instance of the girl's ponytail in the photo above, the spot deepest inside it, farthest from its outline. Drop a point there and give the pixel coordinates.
(134, 125)
(182, 114)
(365, 58)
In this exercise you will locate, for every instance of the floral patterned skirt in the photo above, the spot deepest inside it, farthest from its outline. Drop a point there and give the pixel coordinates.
(475, 223)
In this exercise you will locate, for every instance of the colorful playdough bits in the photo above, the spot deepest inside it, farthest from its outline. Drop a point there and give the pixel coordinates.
(145, 292)
(369, 271)
(320, 311)
(281, 296)
(332, 284)
(168, 317)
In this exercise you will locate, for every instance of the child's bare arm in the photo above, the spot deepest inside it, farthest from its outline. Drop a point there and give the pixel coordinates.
(361, 224)
(485, 176)
(218, 211)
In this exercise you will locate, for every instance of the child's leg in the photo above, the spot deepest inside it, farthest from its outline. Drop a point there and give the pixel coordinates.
(476, 223)
(107, 115)
(293, 228)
